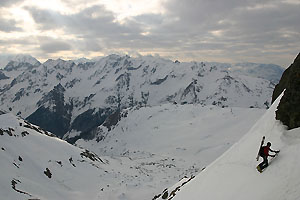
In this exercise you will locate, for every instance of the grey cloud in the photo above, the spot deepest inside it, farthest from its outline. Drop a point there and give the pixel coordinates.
(6, 3)
(46, 19)
(54, 46)
(247, 28)
(95, 27)
(95, 22)
(8, 25)
(255, 26)
(150, 19)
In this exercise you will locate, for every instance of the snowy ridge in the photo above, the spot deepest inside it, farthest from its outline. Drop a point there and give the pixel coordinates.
(36, 166)
(99, 88)
(238, 167)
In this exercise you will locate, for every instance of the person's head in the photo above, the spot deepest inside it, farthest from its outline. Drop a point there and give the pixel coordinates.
(269, 144)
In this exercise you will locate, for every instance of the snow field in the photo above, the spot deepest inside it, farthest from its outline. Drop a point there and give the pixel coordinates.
(168, 142)
(234, 175)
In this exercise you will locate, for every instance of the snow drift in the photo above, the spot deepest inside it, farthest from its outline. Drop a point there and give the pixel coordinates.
(234, 175)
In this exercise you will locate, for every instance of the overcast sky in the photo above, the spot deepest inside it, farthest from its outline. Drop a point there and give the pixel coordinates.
(264, 31)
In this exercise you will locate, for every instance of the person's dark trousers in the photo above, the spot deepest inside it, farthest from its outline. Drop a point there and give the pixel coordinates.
(264, 163)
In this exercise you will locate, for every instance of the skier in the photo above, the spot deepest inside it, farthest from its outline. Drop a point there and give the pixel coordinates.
(264, 153)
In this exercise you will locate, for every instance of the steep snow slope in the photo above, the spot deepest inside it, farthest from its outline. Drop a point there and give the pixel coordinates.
(234, 175)
(36, 165)
(168, 142)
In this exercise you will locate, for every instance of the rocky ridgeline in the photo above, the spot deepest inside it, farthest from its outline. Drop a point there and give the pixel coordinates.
(289, 107)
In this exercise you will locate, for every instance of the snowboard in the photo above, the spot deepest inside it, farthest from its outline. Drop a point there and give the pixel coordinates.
(270, 161)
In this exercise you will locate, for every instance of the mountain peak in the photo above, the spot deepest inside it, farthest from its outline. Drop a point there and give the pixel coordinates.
(20, 58)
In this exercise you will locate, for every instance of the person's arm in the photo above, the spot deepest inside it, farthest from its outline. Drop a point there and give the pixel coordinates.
(274, 151)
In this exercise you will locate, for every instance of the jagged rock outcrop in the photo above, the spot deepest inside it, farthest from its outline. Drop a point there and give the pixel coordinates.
(289, 107)
(53, 114)
(3, 76)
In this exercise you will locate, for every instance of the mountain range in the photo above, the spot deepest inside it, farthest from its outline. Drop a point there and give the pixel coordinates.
(78, 98)
(138, 125)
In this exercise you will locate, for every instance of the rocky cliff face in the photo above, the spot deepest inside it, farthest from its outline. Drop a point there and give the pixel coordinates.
(289, 107)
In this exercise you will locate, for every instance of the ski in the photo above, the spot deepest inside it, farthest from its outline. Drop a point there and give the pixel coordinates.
(261, 144)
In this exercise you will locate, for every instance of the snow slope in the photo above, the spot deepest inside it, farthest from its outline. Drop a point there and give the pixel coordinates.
(234, 175)
(27, 152)
(151, 149)
(166, 143)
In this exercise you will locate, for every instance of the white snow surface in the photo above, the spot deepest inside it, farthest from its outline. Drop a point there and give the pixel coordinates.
(151, 149)
(163, 144)
(234, 174)
(25, 157)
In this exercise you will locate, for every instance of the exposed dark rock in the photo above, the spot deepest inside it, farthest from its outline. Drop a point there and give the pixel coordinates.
(165, 195)
(14, 182)
(9, 131)
(16, 165)
(87, 123)
(14, 65)
(48, 173)
(160, 81)
(24, 133)
(56, 119)
(71, 161)
(20, 158)
(91, 156)
(123, 81)
(112, 119)
(134, 68)
(288, 110)
(37, 129)
(59, 162)
(3, 76)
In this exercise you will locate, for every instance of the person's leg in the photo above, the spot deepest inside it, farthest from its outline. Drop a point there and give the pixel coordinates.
(265, 163)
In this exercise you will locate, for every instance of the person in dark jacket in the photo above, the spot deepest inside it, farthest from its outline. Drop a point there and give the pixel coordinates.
(264, 153)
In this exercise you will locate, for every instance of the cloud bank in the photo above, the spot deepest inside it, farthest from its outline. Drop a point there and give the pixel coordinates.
(265, 31)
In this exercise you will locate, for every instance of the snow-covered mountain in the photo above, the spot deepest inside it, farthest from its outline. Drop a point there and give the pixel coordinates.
(152, 122)
(150, 149)
(72, 95)
(234, 174)
(270, 72)
(19, 58)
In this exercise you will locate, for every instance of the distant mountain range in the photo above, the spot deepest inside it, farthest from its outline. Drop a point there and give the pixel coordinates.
(74, 99)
